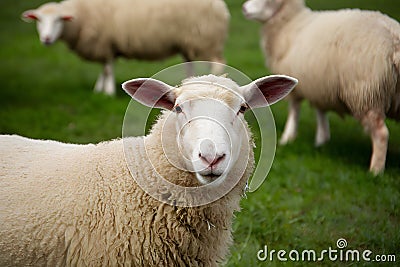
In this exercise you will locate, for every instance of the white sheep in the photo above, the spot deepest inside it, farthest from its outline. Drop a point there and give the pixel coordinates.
(137, 201)
(346, 61)
(102, 30)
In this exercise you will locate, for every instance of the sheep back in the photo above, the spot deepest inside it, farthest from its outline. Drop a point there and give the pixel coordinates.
(57, 202)
(103, 30)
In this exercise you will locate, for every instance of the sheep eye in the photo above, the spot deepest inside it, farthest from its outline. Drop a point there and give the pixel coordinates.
(178, 109)
(243, 108)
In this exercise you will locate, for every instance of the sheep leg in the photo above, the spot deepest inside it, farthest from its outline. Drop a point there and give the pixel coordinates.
(109, 85)
(217, 66)
(290, 131)
(323, 134)
(189, 69)
(98, 87)
(374, 124)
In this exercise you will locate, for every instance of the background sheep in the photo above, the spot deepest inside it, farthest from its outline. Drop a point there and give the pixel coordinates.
(101, 30)
(65, 204)
(346, 61)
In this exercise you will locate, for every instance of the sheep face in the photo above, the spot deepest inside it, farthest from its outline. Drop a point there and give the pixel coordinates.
(211, 128)
(261, 10)
(49, 21)
(208, 114)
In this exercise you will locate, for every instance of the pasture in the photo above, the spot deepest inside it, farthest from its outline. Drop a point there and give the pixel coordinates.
(311, 198)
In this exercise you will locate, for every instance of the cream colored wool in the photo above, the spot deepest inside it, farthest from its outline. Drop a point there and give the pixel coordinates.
(346, 60)
(102, 30)
(78, 205)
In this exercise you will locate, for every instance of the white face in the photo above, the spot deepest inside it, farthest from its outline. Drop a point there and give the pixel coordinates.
(49, 28)
(49, 21)
(261, 10)
(210, 133)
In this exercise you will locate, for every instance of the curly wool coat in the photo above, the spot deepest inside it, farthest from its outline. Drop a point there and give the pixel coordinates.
(67, 205)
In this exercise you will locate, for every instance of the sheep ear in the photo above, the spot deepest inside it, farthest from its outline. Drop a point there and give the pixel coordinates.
(150, 92)
(67, 17)
(29, 16)
(268, 90)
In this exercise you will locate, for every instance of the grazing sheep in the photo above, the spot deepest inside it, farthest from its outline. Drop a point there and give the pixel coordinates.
(135, 201)
(101, 30)
(346, 61)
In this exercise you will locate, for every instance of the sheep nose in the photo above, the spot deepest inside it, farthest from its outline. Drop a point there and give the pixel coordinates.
(212, 161)
(208, 153)
(244, 9)
(47, 40)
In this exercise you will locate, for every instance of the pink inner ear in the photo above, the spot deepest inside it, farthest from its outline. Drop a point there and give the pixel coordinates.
(275, 88)
(30, 15)
(67, 18)
(151, 93)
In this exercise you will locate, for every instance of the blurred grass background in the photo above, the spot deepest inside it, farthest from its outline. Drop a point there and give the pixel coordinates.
(311, 198)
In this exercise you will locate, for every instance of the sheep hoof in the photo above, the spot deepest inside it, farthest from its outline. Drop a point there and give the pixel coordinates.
(320, 142)
(376, 171)
(286, 140)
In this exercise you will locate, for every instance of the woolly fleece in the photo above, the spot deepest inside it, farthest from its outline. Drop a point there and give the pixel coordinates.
(103, 30)
(67, 205)
(345, 60)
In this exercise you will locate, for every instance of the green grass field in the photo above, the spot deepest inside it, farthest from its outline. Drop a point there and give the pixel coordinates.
(311, 198)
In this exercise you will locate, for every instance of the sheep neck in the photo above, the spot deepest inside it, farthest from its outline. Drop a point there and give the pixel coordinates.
(274, 31)
(72, 29)
(287, 11)
(208, 226)
(156, 146)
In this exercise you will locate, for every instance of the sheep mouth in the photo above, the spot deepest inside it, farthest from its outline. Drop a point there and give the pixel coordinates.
(211, 176)
(47, 42)
(207, 178)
